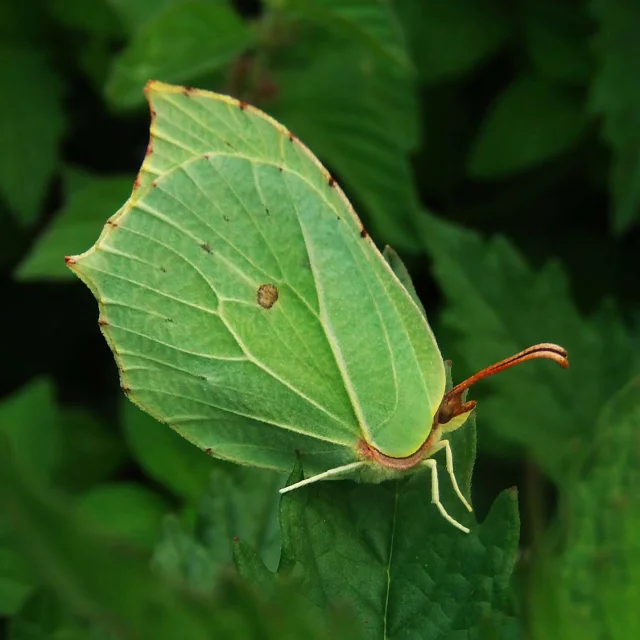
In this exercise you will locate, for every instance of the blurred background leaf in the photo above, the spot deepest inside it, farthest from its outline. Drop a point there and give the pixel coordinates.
(616, 96)
(530, 122)
(450, 37)
(75, 227)
(590, 586)
(184, 41)
(32, 123)
(496, 304)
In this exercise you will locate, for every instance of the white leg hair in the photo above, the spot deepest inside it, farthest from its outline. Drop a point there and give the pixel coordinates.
(445, 444)
(435, 494)
(323, 476)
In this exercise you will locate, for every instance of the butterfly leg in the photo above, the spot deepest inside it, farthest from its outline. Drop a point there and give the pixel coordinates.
(323, 476)
(446, 445)
(435, 494)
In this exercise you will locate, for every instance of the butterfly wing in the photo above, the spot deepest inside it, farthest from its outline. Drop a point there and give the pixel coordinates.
(244, 303)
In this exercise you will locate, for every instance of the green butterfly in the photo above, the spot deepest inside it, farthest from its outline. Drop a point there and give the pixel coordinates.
(247, 307)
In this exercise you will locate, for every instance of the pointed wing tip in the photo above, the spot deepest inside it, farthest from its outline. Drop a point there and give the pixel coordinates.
(71, 262)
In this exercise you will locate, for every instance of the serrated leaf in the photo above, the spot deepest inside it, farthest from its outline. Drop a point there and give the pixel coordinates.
(497, 305)
(179, 44)
(616, 97)
(530, 122)
(164, 455)
(127, 510)
(74, 227)
(556, 40)
(590, 589)
(32, 124)
(241, 503)
(383, 551)
(371, 22)
(448, 38)
(361, 119)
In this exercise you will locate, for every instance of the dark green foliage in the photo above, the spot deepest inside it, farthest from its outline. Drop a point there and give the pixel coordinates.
(496, 146)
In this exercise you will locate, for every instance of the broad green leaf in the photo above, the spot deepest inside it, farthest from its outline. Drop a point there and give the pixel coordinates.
(32, 124)
(184, 41)
(28, 423)
(118, 596)
(74, 227)
(497, 305)
(382, 551)
(371, 22)
(530, 122)
(556, 40)
(28, 420)
(360, 119)
(448, 38)
(91, 450)
(616, 97)
(135, 13)
(241, 503)
(590, 588)
(127, 510)
(164, 455)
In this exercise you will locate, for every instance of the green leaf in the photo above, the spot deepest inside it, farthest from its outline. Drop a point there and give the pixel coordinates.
(166, 456)
(32, 124)
(74, 227)
(28, 423)
(118, 596)
(530, 122)
(182, 42)
(109, 586)
(372, 22)
(449, 38)
(556, 40)
(616, 97)
(497, 305)
(135, 13)
(126, 510)
(384, 552)
(28, 420)
(95, 18)
(43, 618)
(361, 120)
(91, 450)
(17, 581)
(590, 588)
(241, 503)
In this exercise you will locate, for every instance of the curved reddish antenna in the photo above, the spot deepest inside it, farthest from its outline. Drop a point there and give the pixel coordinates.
(452, 404)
